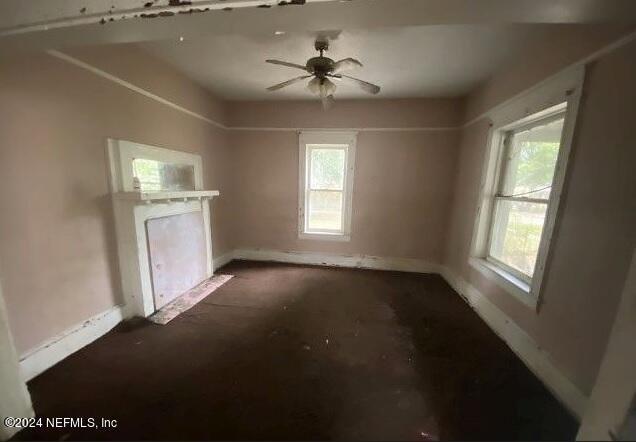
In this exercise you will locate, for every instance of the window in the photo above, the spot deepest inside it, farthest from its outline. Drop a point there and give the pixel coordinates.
(526, 174)
(326, 184)
(524, 170)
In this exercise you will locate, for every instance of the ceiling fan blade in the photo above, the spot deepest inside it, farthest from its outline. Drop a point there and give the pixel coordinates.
(288, 64)
(328, 102)
(287, 83)
(364, 85)
(345, 65)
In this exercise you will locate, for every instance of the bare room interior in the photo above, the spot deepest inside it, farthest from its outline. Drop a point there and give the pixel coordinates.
(317, 220)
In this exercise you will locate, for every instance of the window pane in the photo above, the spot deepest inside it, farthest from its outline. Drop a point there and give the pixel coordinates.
(156, 176)
(532, 157)
(516, 234)
(325, 210)
(327, 169)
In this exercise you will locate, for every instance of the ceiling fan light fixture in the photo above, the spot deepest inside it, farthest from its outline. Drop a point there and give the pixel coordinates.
(323, 69)
(314, 86)
(327, 87)
(323, 87)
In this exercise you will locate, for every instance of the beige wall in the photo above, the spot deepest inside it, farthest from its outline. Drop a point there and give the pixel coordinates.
(402, 183)
(411, 113)
(58, 250)
(559, 47)
(615, 387)
(594, 240)
(401, 193)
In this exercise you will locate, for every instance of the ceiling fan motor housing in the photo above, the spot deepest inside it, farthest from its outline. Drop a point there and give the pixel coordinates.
(320, 66)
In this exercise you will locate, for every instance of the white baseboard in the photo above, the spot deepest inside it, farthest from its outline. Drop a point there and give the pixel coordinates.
(332, 260)
(39, 359)
(220, 261)
(535, 358)
(46, 355)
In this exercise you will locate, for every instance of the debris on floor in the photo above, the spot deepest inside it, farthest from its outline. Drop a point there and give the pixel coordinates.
(189, 299)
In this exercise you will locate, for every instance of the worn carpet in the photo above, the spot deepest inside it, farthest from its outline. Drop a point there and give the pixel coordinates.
(299, 352)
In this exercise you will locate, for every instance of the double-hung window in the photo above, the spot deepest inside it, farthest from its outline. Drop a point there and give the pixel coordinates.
(326, 184)
(526, 174)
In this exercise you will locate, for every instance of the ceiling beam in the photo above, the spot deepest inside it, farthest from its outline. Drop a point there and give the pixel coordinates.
(20, 17)
(51, 24)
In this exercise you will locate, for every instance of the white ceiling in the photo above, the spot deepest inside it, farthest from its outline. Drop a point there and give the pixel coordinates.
(422, 61)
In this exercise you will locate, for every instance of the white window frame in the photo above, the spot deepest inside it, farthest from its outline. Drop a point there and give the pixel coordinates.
(553, 97)
(552, 114)
(342, 140)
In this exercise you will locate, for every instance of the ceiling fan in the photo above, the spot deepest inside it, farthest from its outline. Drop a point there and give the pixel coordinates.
(323, 70)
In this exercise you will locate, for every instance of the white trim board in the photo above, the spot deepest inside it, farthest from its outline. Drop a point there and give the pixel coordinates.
(46, 355)
(535, 358)
(222, 260)
(334, 260)
(54, 350)
(132, 87)
(15, 398)
(346, 129)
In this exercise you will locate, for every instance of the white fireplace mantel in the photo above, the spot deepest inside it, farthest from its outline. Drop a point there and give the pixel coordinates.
(134, 208)
(165, 197)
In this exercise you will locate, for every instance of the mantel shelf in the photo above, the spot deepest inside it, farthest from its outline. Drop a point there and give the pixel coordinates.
(162, 197)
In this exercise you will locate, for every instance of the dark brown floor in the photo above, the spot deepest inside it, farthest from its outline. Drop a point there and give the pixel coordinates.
(298, 352)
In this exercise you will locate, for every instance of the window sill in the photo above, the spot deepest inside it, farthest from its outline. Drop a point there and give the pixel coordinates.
(325, 237)
(509, 283)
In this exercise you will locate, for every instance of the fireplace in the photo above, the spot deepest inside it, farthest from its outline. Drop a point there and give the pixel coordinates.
(162, 219)
(177, 254)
